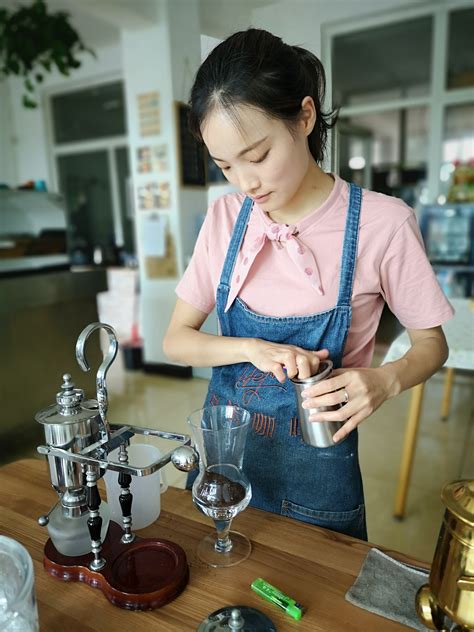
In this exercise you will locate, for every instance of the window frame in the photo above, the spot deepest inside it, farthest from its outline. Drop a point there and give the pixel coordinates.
(439, 97)
(109, 144)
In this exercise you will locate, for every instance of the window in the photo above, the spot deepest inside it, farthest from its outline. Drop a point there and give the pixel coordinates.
(89, 114)
(457, 166)
(405, 89)
(460, 66)
(385, 151)
(386, 62)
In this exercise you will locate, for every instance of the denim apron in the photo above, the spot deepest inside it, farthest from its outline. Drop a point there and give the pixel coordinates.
(321, 486)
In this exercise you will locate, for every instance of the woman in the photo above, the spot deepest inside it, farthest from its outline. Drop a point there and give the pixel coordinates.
(298, 266)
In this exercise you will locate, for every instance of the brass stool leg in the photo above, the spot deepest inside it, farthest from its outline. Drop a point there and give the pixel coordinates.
(447, 391)
(408, 453)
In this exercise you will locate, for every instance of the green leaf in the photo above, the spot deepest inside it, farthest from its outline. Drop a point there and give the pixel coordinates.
(35, 41)
(13, 66)
(28, 103)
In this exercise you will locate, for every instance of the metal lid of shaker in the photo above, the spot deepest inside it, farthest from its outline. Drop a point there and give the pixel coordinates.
(70, 406)
(324, 371)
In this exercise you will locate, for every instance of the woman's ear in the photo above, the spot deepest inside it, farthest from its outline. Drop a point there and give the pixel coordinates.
(308, 115)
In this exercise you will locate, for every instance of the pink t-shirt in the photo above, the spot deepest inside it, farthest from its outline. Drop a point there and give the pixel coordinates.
(391, 266)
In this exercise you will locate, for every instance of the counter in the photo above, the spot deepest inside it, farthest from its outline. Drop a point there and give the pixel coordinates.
(312, 565)
(41, 315)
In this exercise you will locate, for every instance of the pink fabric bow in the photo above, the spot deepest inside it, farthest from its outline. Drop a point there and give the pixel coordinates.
(286, 236)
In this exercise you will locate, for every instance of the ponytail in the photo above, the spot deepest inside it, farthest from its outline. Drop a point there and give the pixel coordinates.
(316, 88)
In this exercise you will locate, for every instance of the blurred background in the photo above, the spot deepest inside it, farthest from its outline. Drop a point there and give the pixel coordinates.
(103, 192)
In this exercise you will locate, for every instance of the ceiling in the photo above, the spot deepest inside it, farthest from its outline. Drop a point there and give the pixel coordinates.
(99, 21)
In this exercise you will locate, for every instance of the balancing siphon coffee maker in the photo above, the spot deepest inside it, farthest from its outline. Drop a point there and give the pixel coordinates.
(84, 544)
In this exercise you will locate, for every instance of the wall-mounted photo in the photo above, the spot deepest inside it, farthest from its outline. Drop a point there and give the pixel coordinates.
(149, 113)
(152, 158)
(154, 195)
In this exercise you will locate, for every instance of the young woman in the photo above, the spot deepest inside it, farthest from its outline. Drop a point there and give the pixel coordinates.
(298, 265)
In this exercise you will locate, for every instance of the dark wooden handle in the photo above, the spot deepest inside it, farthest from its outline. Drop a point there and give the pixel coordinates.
(93, 498)
(124, 480)
(95, 525)
(125, 501)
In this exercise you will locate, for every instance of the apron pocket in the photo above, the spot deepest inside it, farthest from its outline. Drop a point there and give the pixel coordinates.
(348, 522)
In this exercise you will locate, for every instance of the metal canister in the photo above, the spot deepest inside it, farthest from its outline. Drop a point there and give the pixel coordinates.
(450, 590)
(318, 434)
(71, 424)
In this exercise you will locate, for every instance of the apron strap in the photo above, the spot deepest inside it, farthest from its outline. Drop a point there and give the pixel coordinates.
(235, 242)
(349, 249)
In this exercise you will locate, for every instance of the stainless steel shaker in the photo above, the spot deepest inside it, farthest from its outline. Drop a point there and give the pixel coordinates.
(318, 434)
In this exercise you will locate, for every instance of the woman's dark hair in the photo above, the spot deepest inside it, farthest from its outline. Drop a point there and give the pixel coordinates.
(257, 68)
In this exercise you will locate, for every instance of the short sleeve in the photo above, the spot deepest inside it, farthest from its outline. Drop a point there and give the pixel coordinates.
(196, 286)
(409, 284)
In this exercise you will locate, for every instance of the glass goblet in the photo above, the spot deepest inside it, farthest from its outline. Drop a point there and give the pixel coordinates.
(221, 489)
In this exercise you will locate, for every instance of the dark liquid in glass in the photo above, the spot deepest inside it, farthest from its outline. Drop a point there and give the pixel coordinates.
(217, 490)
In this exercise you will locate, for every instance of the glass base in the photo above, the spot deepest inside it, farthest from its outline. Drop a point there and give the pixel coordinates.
(241, 548)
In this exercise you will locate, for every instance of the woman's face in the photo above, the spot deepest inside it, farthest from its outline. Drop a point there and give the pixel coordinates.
(259, 154)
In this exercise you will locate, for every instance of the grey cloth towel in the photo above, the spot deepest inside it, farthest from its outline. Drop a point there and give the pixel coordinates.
(388, 588)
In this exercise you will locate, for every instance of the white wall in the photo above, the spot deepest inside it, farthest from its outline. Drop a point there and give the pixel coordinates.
(185, 59)
(8, 159)
(172, 49)
(207, 44)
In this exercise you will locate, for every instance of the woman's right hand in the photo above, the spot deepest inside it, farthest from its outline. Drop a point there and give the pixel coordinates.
(271, 357)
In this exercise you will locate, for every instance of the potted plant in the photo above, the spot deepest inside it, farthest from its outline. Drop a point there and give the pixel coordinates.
(34, 42)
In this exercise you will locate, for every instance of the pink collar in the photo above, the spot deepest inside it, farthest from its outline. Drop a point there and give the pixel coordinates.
(258, 233)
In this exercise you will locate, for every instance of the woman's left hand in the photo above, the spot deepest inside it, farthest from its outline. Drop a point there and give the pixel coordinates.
(361, 391)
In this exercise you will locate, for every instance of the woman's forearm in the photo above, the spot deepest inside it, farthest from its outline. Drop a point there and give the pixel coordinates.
(426, 356)
(196, 348)
(190, 346)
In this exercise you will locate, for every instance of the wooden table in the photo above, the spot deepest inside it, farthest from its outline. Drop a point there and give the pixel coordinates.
(459, 332)
(312, 565)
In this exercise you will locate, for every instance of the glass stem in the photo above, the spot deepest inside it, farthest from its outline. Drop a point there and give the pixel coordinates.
(223, 543)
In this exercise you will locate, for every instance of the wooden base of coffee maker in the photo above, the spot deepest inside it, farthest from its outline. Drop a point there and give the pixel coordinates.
(143, 575)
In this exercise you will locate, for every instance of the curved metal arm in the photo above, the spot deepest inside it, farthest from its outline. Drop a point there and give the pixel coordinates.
(102, 399)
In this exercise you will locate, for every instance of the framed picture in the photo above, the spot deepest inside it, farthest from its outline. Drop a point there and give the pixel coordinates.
(149, 113)
(152, 158)
(154, 196)
(192, 154)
